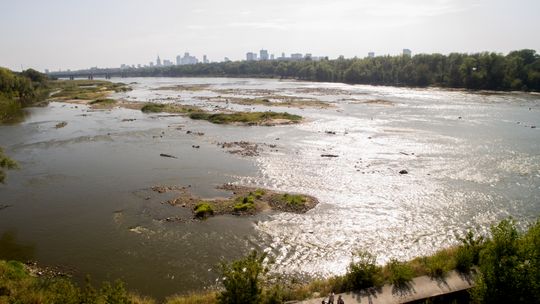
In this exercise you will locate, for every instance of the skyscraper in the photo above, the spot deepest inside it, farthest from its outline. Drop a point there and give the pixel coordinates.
(263, 54)
(371, 54)
(250, 56)
(158, 61)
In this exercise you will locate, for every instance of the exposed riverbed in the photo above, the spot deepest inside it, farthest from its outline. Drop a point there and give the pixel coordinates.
(82, 198)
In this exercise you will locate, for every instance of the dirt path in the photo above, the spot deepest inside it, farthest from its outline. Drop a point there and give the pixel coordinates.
(419, 288)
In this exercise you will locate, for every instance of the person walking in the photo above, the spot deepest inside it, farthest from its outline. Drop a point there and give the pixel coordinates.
(340, 300)
(331, 298)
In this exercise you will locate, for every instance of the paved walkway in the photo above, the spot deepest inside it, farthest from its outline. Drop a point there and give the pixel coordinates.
(419, 288)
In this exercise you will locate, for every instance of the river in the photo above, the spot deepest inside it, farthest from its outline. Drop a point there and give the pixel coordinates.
(82, 197)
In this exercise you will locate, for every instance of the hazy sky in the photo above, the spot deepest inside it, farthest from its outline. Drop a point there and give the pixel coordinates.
(76, 34)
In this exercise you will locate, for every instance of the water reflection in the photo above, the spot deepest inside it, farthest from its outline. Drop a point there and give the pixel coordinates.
(12, 249)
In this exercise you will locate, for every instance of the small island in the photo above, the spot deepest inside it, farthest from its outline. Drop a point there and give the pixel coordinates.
(244, 201)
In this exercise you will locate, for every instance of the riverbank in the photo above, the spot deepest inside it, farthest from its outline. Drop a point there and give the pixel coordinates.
(503, 266)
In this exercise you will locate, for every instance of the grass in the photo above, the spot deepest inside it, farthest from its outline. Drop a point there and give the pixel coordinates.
(85, 89)
(294, 200)
(203, 210)
(244, 203)
(193, 298)
(103, 102)
(168, 108)
(249, 118)
(398, 273)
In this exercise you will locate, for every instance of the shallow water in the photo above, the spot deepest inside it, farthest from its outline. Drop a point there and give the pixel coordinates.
(81, 198)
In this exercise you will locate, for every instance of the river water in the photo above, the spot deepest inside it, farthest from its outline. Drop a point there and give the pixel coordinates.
(82, 197)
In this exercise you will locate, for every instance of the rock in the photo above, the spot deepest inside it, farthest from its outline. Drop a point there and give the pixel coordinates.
(167, 155)
(330, 132)
(459, 117)
(195, 146)
(61, 124)
(403, 171)
(329, 155)
(533, 127)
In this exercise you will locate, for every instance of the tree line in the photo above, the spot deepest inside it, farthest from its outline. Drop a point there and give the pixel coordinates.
(18, 90)
(518, 70)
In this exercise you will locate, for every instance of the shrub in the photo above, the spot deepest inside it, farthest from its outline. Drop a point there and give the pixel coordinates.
(153, 108)
(258, 193)
(293, 199)
(244, 203)
(242, 280)
(203, 210)
(399, 273)
(363, 272)
(509, 266)
(464, 259)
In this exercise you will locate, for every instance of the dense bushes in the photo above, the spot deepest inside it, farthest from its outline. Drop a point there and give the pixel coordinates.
(242, 280)
(18, 90)
(509, 266)
(363, 271)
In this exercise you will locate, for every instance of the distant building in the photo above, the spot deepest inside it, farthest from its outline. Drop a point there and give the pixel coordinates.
(407, 52)
(167, 62)
(250, 56)
(123, 66)
(263, 55)
(272, 57)
(158, 61)
(151, 63)
(187, 59)
(371, 54)
(205, 59)
(46, 71)
(297, 56)
(139, 66)
(226, 59)
(308, 56)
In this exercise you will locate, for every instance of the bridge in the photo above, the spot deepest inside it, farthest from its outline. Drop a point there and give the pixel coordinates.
(90, 74)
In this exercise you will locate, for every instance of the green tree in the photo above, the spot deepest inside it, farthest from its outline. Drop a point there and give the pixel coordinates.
(509, 266)
(242, 280)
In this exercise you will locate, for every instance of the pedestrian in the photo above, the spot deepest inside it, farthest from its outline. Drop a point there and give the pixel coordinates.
(331, 298)
(340, 300)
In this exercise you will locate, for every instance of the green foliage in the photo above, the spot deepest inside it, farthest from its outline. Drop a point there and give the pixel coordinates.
(509, 266)
(242, 280)
(18, 90)
(258, 193)
(6, 163)
(244, 203)
(203, 210)
(363, 272)
(400, 273)
(439, 264)
(244, 117)
(294, 200)
(167, 108)
(468, 253)
(103, 102)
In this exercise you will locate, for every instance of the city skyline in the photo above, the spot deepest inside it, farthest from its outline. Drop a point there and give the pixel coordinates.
(107, 33)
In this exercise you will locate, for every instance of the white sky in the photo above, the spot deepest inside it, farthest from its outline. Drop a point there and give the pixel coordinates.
(77, 34)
